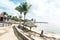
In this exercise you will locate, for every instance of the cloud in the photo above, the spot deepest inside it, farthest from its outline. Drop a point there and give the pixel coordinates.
(48, 10)
(8, 6)
(42, 10)
(39, 9)
(54, 11)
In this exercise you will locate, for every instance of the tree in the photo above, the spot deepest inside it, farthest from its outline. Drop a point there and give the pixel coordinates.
(15, 18)
(5, 13)
(20, 18)
(19, 9)
(26, 8)
(9, 17)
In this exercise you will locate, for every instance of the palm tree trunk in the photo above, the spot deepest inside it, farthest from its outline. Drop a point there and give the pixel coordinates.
(24, 20)
(20, 18)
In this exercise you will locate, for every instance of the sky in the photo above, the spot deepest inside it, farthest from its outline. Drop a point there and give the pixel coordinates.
(9, 6)
(46, 10)
(41, 10)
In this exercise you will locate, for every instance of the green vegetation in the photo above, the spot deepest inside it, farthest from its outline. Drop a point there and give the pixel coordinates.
(19, 9)
(23, 7)
(5, 13)
(15, 18)
(10, 17)
(26, 8)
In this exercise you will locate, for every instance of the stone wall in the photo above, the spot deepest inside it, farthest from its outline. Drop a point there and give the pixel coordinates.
(20, 35)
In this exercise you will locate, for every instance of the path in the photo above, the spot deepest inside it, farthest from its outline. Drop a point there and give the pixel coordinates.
(8, 35)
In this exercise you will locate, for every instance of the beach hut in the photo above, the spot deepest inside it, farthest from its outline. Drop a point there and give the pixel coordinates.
(2, 18)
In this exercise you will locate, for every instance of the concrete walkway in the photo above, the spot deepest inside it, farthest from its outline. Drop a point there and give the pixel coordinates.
(8, 35)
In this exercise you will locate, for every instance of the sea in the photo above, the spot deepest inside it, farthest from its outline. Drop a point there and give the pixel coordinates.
(42, 26)
(47, 27)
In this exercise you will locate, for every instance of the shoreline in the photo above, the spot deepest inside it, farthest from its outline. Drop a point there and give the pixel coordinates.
(48, 34)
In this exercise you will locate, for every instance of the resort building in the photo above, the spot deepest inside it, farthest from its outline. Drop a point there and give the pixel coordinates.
(2, 18)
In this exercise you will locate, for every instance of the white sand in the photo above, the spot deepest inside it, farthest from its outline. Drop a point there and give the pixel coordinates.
(9, 35)
(2, 31)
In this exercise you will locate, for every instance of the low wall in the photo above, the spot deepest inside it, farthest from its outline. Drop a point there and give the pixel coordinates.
(20, 35)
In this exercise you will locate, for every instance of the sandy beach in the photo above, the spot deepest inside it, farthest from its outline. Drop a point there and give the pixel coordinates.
(47, 35)
(7, 33)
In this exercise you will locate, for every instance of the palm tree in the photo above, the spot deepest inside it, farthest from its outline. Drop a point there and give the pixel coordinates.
(5, 13)
(20, 18)
(26, 8)
(19, 9)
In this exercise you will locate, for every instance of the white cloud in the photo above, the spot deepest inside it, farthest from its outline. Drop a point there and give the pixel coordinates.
(48, 10)
(8, 4)
(10, 7)
(39, 8)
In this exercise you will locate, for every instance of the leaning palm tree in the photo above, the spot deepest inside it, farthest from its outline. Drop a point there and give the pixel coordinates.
(19, 9)
(26, 8)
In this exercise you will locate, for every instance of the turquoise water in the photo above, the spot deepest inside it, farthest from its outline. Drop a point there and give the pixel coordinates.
(48, 27)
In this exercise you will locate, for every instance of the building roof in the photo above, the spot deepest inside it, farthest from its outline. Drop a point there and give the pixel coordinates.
(1, 15)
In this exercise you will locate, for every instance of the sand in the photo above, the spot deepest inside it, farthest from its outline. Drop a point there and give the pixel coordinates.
(9, 35)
